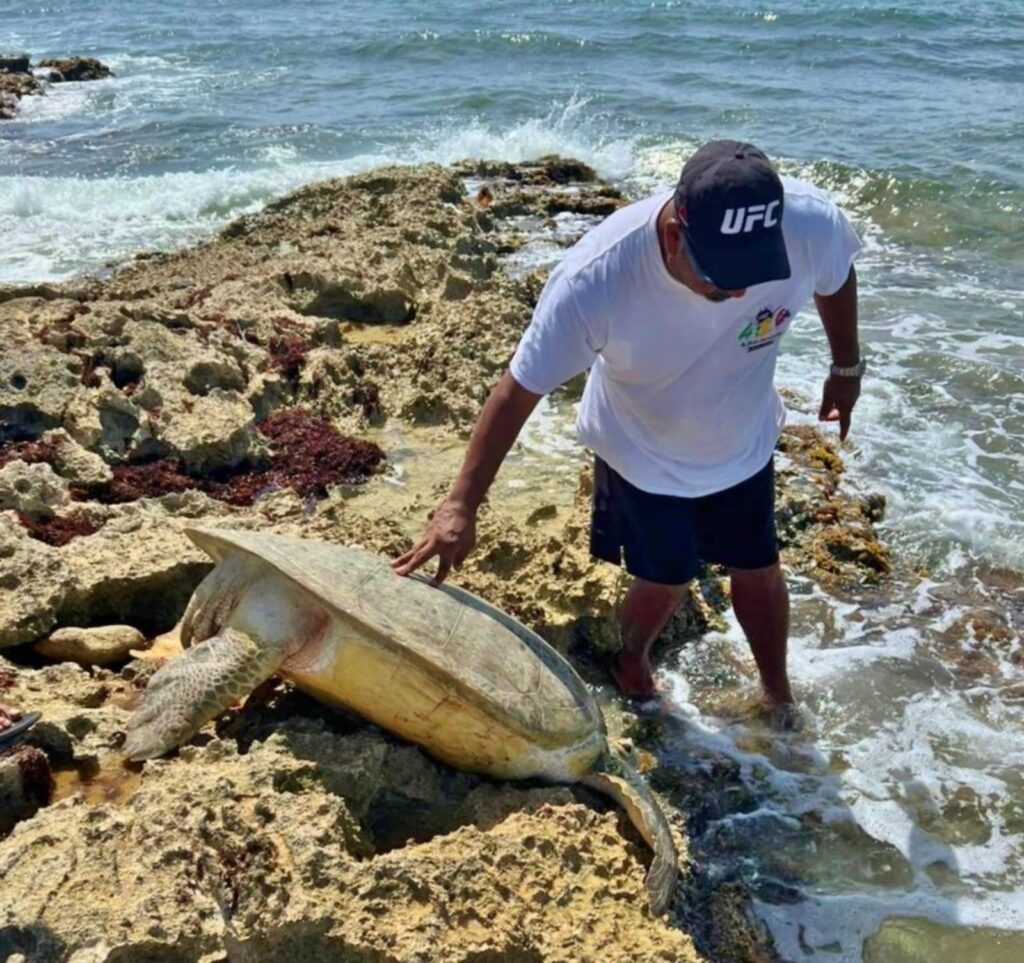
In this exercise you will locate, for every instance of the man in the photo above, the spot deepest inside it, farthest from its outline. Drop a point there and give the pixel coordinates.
(677, 305)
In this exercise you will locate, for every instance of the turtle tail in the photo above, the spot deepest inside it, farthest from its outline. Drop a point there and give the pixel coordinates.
(615, 777)
(195, 687)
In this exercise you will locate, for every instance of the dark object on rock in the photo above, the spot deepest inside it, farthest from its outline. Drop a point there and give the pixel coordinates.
(367, 397)
(19, 726)
(566, 170)
(14, 63)
(60, 529)
(77, 68)
(26, 784)
(548, 170)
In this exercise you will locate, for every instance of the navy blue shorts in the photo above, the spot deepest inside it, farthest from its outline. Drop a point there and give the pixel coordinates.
(664, 538)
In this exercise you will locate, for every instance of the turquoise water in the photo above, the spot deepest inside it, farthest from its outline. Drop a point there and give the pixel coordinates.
(910, 113)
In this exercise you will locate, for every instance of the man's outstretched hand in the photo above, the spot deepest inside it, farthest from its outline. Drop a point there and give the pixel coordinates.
(837, 400)
(450, 536)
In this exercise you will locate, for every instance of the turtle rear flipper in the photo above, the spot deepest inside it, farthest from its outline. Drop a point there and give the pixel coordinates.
(189, 691)
(615, 777)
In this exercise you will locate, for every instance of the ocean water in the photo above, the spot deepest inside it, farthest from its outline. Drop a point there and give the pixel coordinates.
(908, 800)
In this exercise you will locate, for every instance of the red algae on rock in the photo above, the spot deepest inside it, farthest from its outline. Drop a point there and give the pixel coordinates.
(149, 480)
(309, 456)
(288, 353)
(60, 529)
(30, 452)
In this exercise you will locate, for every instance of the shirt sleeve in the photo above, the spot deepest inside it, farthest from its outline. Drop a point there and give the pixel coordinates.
(558, 344)
(834, 255)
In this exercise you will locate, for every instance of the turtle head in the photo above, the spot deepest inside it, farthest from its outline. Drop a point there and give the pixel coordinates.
(217, 597)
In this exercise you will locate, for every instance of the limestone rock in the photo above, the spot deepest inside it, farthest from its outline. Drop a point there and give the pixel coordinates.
(92, 646)
(215, 852)
(14, 86)
(82, 468)
(215, 431)
(36, 490)
(139, 569)
(33, 579)
(35, 381)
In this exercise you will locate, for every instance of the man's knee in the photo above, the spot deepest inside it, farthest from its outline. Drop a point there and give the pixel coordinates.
(754, 578)
(650, 603)
(655, 593)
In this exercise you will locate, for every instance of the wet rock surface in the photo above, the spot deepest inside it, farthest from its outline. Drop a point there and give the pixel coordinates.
(75, 68)
(19, 79)
(251, 382)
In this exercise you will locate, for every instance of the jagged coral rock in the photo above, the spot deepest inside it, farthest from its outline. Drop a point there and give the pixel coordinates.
(37, 490)
(285, 848)
(33, 577)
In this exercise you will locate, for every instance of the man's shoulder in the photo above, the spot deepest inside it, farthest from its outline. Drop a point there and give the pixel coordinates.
(809, 210)
(806, 197)
(614, 242)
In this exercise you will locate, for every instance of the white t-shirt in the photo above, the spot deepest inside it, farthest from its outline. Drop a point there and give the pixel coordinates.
(680, 397)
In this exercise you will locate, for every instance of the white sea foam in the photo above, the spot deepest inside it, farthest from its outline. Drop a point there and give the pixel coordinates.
(60, 100)
(59, 226)
(924, 770)
(55, 227)
(564, 129)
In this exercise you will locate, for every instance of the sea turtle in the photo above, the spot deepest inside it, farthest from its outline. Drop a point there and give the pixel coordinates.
(437, 666)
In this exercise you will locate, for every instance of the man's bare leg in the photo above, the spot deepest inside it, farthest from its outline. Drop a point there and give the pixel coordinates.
(648, 606)
(760, 600)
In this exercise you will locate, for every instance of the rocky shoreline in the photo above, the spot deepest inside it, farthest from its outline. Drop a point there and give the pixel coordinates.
(255, 381)
(19, 78)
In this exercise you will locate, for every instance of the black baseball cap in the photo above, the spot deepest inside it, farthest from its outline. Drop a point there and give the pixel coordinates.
(730, 202)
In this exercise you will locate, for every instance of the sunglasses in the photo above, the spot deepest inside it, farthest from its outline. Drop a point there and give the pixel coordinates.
(717, 293)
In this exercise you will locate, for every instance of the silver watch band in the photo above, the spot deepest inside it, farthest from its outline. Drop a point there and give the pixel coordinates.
(853, 371)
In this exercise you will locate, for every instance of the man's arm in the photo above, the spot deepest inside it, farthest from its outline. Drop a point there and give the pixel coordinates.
(838, 313)
(451, 533)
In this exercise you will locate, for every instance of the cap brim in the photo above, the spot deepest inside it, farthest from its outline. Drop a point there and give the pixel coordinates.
(744, 262)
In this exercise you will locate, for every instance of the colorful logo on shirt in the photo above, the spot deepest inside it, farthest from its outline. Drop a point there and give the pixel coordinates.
(765, 329)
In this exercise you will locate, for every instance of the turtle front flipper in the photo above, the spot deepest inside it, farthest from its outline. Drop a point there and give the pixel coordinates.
(190, 690)
(615, 777)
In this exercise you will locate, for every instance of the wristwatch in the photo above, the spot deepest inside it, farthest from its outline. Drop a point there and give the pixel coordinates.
(853, 371)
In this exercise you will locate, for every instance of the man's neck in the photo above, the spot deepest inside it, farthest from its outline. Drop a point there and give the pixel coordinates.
(669, 258)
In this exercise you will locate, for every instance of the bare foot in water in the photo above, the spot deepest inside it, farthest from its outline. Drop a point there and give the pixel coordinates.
(785, 717)
(633, 677)
(749, 705)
